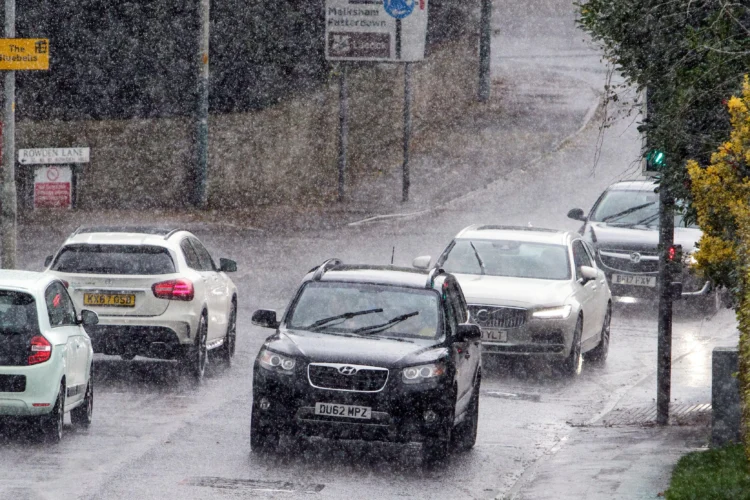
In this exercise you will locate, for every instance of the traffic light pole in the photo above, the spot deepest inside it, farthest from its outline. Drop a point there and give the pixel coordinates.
(200, 113)
(9, 211)
(664, 348)
(485, 39)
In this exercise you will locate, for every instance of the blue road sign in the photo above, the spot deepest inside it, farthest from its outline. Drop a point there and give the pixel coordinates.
(399, 8)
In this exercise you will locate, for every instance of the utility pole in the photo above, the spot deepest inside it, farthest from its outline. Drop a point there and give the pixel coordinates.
(406, 182)
(664, 350)
(343, 127)
(200, 113)
(485, 39)
(9, 214)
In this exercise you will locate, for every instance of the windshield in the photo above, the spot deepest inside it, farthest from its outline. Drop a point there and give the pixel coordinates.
(114, 259)
(365, 309)
(633, 208)
(518, 259)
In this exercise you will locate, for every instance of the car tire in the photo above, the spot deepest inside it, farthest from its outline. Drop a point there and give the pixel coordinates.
(465, 435)
(230, 339)
(571, 366)
(197, 356)
(598, 355)
(51, 424)
(81, 416)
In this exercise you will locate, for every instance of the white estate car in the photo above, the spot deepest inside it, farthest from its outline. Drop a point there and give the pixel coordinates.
(532, 292)
(157, 291)
(45, 354)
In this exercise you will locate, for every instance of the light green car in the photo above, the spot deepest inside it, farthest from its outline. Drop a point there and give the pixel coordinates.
(46, 359)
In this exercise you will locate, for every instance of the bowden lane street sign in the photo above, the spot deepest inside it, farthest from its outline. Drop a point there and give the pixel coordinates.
(48, 156)
(376, 30)
(18, 54)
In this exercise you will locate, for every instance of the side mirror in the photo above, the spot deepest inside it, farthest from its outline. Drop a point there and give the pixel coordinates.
(89, 318)
(227, 266)
(588, 274)
(577, 214)
(675, 289)
(468, 332)
(422, 262)
(265, 318)
(48, 260)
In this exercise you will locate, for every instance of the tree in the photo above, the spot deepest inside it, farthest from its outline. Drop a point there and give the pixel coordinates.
(721, 196)
(690, 54)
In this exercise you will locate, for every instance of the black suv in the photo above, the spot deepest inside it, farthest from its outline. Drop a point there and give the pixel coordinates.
(376, 353)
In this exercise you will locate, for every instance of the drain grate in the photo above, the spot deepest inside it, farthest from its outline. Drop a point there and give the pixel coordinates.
(679, 414)
(252, 485)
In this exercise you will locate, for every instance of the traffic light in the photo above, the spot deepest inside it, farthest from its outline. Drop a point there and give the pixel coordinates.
(655, 160)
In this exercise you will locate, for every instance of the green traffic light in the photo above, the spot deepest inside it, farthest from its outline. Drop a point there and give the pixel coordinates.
(656, 158)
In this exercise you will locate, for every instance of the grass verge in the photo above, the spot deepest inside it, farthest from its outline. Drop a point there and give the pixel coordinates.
(721, 473)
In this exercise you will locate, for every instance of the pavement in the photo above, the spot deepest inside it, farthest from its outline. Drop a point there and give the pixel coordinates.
(526, 158)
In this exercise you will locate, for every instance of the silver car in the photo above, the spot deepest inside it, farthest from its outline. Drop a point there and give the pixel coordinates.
(533, 292)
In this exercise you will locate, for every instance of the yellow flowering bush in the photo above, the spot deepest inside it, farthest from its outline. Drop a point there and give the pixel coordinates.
(721, 197)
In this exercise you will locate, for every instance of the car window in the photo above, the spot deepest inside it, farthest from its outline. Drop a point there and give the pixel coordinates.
(376, 306)
(17, 312)
(204, 258)
(191, 258)
(458, 305)
(630, 207)
(580, 257)
(519, 259)
(59, 306)
(114, 259)
(590, 252)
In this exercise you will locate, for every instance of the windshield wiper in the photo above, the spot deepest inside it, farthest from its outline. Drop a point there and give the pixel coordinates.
(384, 326)
(645, 221)
(348, 315)
(479, 259)
(626, 212)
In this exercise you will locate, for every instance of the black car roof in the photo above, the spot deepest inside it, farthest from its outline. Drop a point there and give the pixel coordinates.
(639, 185)
(383, 275)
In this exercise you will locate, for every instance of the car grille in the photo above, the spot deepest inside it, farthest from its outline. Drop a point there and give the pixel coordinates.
(12, 383)
(498, 317)
(622, 260)
(330, 376)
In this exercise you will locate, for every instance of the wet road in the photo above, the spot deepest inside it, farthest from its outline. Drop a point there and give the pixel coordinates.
(155, 437)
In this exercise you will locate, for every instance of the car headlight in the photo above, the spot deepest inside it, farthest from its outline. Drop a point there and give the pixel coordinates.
(276, 362)
(561, 312)
(422, 373)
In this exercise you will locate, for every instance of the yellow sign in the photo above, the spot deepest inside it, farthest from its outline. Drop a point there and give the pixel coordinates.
(24, 54)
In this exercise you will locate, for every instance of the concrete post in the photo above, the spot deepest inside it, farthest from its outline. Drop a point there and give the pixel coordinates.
(725, 397)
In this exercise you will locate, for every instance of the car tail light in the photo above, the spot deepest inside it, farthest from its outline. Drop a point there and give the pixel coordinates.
(41, 350)
(174, 290)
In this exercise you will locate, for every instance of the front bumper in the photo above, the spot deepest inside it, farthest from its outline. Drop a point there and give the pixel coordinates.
(397, 410)
(538, 337)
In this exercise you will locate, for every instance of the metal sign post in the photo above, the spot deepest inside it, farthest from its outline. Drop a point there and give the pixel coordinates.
(343, 127)
(664, 349)
(200, 116)
(9, 215)
(406, 182)
(485, 42)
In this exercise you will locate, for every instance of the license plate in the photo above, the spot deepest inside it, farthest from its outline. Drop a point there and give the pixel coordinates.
(343, 411)
(494, 335)
(109, 299)
(630, 279)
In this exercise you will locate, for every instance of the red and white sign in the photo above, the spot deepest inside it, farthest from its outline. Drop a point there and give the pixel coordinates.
(53, 187)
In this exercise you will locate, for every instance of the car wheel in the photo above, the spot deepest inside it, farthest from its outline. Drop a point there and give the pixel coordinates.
(52, 423)
(571, 366)
(198, 354)
(465, 436)
(598, 355)
(81, 416)
(230, 339)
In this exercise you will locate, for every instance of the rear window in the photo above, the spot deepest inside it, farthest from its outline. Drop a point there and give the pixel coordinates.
(114, 259)
(18, 324)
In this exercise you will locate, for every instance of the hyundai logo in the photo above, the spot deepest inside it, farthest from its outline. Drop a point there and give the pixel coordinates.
(635, 257)
(347, 370)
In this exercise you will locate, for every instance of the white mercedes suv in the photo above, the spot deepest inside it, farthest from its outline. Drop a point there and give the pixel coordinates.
(158, 293)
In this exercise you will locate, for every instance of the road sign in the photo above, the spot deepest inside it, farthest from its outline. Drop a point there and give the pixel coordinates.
(375, 30)
(24, 54)
(47, 156)
(53, 187)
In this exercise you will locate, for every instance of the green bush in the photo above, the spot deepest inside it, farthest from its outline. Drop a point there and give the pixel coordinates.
(714, 474)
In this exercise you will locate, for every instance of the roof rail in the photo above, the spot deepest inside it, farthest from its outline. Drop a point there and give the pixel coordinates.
(325, 266)
(173, 231)
(434, 273)
(76, 231)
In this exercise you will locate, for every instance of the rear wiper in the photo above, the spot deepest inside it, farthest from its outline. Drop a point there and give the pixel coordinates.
(479, 259)
(626, 212)
(384, 326)
(348, 315)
